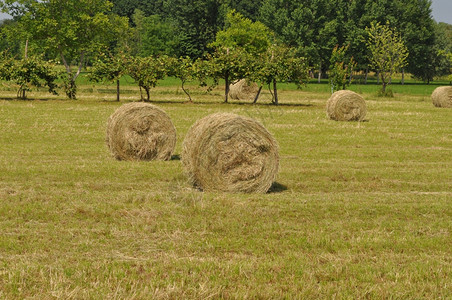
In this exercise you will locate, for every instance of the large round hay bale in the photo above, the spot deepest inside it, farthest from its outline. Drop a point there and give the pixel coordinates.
(140, 131)
(346, 105)
(442, 96)
(243, 90)
(230, 153)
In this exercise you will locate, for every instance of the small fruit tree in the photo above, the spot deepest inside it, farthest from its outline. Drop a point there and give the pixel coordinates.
(229, 65)
(340, 68)
(279, 64)
(388, 52)
(236, 47)
(27, 73)
(110, 68)
(182, 68)
(146, 71)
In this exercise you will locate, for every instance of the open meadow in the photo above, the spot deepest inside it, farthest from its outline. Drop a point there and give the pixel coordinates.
(359, 209)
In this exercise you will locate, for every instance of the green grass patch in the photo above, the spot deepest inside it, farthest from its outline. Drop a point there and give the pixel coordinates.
(360, 210)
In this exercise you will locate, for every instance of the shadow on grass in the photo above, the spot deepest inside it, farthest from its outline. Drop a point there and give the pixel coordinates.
(175, 157)
(34, 99)
(226, 103)
(277, 188)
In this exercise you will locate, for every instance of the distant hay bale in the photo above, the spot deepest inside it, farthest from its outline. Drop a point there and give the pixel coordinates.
(230, 153)
(346, 105)
(442, 96)
(140, 131)
(243, 90)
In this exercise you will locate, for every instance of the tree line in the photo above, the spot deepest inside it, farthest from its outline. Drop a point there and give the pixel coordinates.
(208, 38)
(313, 28)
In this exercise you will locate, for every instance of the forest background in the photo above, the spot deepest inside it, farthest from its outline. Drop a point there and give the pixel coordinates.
(182, 28)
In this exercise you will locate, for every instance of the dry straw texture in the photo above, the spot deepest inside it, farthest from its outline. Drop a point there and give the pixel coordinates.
(243, 90)
(346, 105)
(442, 96)
(140, 131)
(230, 153)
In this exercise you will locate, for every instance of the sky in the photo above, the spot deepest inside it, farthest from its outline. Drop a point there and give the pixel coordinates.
(441, 11)
(4, 16)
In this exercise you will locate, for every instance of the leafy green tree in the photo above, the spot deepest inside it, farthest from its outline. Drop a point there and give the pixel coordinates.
(196, 22)
(202, 73)
(413, 19)
(313, 28)
(247, 8)
(355, 34)
(388, 52)
(443, 48)
(450, 62)
(340, 68)
(9, 37)
(183, 69)
(148, 7)
(109, 68)
(138, 19)
(146, 71)
(240, 32)
(229, 65)
(279, 64)
(416, 27)
(30, 72)
(157, 37)
(247, 39)
(6, 65)
(71, 29)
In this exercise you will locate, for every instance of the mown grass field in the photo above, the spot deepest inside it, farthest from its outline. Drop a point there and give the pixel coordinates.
(360, 210)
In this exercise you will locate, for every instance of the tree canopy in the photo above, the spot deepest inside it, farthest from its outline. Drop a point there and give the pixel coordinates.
(74, 30)
(388, 52)
(67, 29)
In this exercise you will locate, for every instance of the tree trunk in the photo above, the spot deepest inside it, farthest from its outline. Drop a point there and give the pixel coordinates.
(351, 77)
(186, 92)
(82, 59)
(26, 49)
(68, 68)
(22, 88)
(148, 94)
(320, 73)
(141, 94)
(72, 85)
(21, 93)
(403, 76)
(378, 77)
(73, 89)
(275, 92)
(226, 87)
(257, 95)
(367, 74)
(117, 90)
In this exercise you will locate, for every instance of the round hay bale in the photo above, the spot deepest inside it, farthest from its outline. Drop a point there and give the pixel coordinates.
(140, 131)
(442, 96)
(243, 90)
(346, 105)
(230, 153)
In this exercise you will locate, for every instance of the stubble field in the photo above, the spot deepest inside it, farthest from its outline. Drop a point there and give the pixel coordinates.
(359, 210)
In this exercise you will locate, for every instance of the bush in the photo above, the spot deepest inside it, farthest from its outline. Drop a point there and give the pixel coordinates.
(385, 93)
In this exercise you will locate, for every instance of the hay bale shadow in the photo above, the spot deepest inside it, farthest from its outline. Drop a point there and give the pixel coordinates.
(277, 188)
